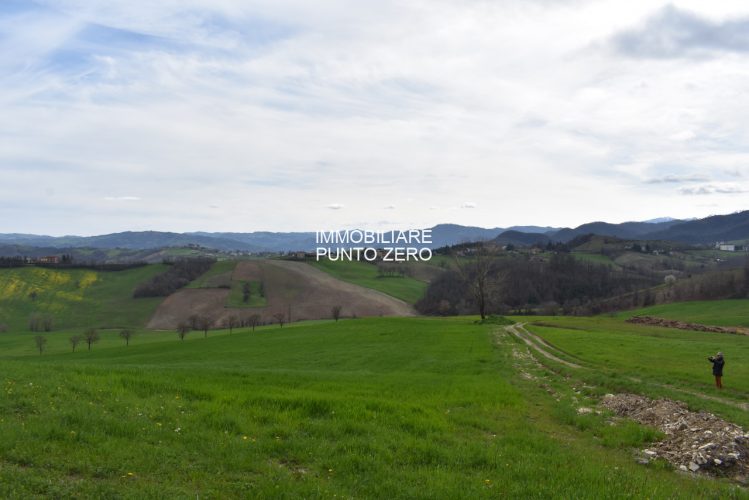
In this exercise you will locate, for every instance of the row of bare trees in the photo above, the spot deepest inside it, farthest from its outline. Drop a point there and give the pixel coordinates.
(89, 337)
(39, 322)
(195, 322)
(203, 322)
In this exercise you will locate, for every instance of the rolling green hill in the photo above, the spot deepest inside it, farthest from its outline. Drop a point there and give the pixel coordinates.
(363, 274)
(218, 275)
(75, 297)
(376, 408)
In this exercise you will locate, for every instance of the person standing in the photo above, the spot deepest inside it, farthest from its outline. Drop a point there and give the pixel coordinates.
(718, 363)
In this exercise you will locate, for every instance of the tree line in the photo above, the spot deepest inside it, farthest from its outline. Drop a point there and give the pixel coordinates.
(67, 262)
(179, 274)
(524, 284)
(199, 322)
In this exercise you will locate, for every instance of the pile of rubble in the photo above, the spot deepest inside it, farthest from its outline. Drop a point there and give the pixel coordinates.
(682, 325)
(694, 441)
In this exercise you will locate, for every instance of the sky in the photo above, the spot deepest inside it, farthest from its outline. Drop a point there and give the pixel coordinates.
(290, 115)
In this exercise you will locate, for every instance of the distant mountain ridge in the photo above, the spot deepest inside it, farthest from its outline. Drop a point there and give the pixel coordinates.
(519, 238)
(697, 231)
(133, 240)
(625, 230)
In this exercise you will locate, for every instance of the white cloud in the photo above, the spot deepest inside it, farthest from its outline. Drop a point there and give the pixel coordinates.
(684, 135)
(275, 107)
(677, 179)
(713, 189)
(122, 198)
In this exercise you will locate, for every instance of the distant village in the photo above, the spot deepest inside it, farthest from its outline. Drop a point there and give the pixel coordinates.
(48, 259)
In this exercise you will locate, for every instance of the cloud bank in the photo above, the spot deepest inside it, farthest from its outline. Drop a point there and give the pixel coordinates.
(252, 115)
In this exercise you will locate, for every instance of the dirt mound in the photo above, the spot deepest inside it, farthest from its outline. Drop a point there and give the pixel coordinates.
(696, 442)
(682, 325)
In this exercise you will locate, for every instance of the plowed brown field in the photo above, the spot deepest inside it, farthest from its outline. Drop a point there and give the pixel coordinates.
(293, 288)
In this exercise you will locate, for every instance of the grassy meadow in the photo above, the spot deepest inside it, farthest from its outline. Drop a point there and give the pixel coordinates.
(363, 274)
(218, 275)
(236, 297)
(658, 361)
(399, 408)
(75, 297)
(595, 258)
(712, 312)
(368, 408)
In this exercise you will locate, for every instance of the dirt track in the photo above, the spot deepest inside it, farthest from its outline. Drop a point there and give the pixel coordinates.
(295, 287)
(537, 343)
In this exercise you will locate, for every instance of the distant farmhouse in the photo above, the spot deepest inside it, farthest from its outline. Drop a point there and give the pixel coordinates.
(50, 259)
(725, 247)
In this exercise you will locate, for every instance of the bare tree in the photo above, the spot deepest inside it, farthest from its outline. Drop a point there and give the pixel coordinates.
(478, 274)
(230, 322)
(204, 323)
(39, 322)
(280, 317)
(126, 335)
(74, 341)
(91, 336)
(336, 312)
(41, 343)
(253, 320)
(246, 292)
(193, 321)
(182, 330)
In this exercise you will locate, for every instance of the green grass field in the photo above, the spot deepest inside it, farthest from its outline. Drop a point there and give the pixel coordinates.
(654, 360)
(219, 274)
(713, 312)
(377, 408)
(363, 274)
(76, 297)
(595, 258)
(236, 297)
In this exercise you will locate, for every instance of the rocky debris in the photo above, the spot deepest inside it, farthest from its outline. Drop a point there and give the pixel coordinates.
(682, 325)
(698, 442)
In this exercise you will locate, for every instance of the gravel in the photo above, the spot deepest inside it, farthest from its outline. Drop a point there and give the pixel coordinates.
(697, 442)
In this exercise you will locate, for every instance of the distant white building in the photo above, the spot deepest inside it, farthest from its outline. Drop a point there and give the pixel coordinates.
(726, 248)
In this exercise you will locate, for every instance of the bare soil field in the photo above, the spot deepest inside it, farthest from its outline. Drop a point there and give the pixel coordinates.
(294, 288)
(182, 304)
